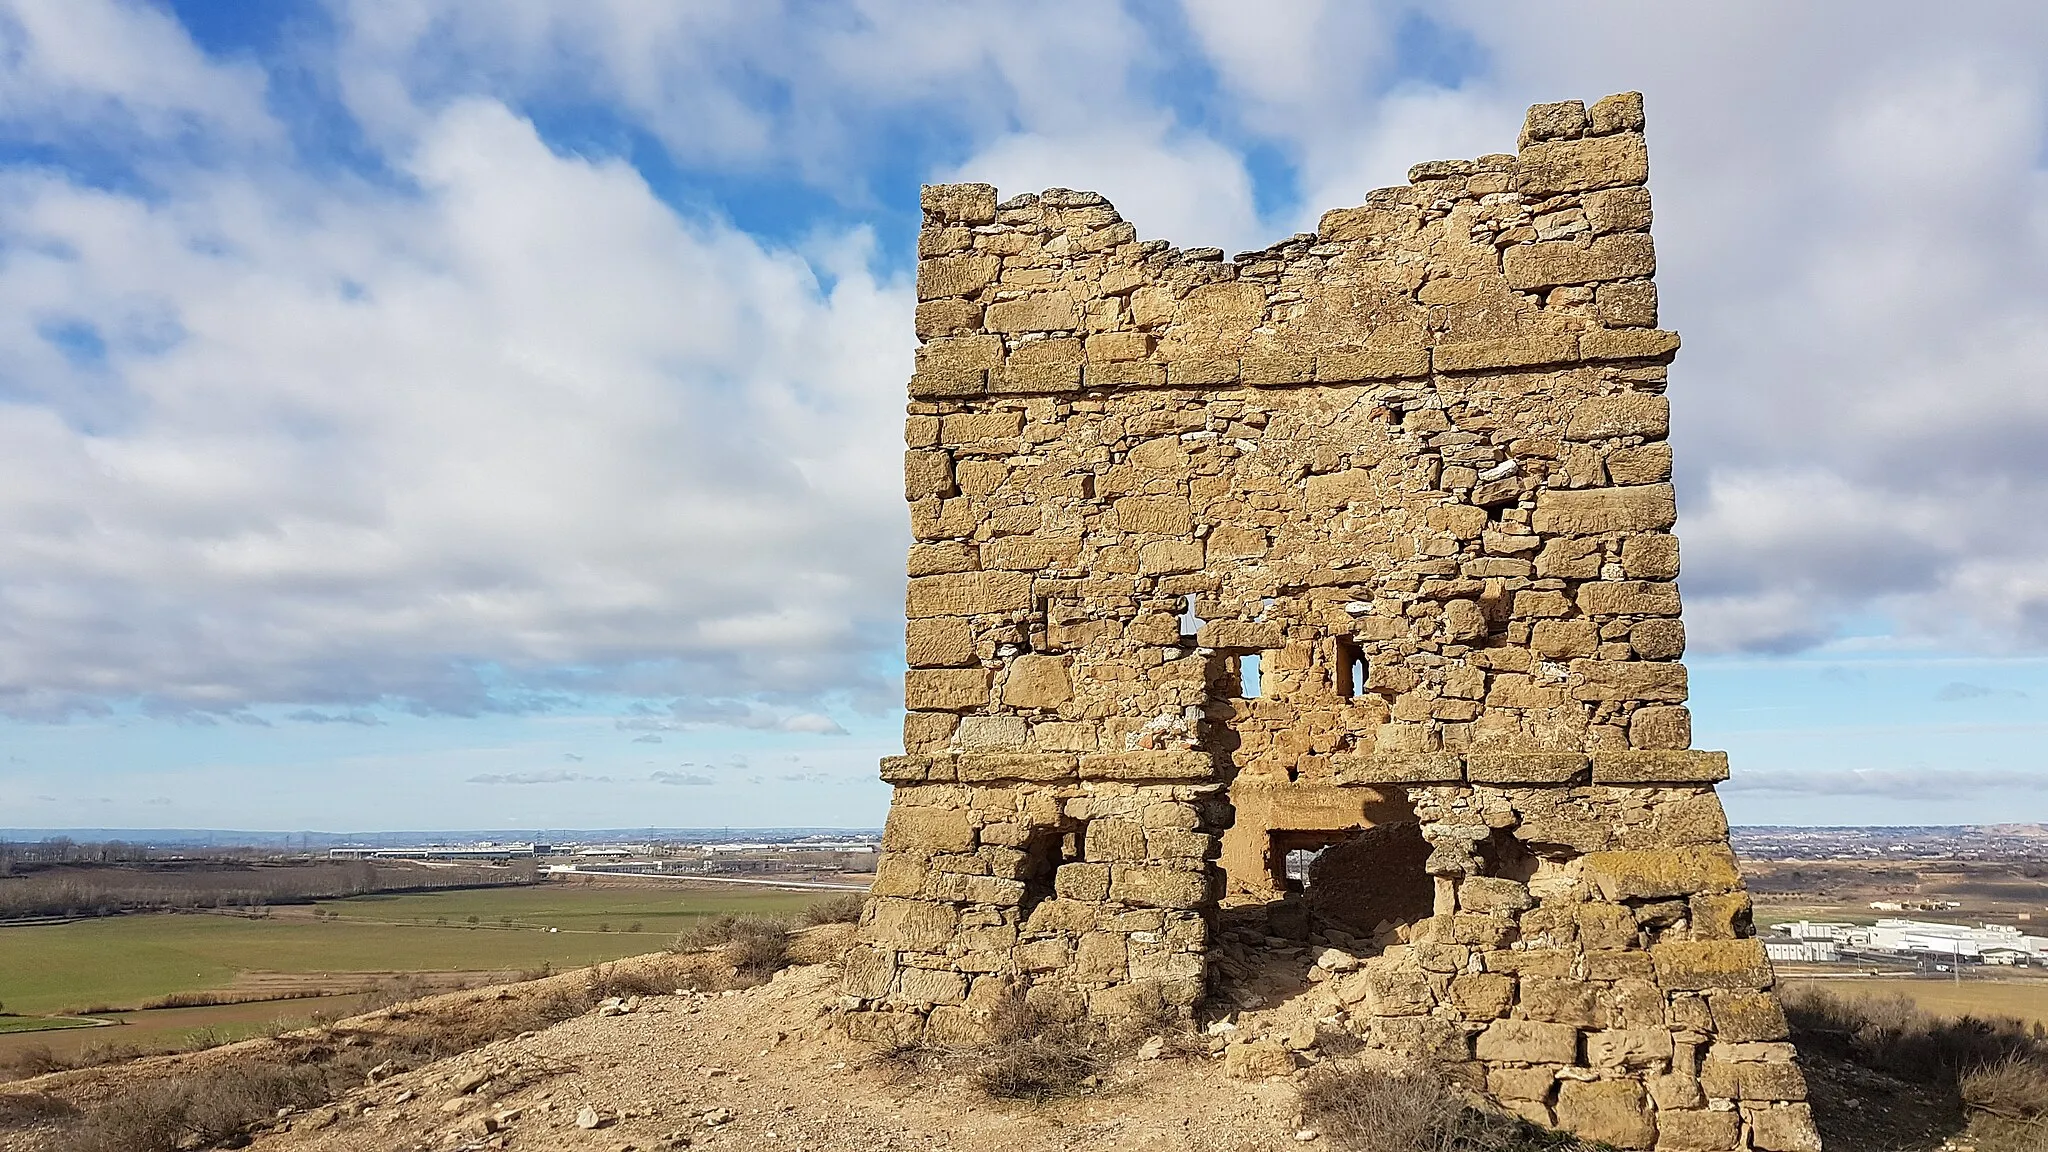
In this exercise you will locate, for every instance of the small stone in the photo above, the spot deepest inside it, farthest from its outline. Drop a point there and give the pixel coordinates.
(717, 1116)
(1152, 1049)
(588, 1117)
(1334, 960)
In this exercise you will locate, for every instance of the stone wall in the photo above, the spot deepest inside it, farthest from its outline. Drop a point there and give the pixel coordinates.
(1414, 465)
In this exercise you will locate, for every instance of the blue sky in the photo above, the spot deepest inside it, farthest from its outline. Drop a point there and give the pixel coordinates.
(420, 413)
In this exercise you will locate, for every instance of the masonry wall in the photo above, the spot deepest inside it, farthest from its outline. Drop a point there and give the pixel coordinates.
(1414, 463)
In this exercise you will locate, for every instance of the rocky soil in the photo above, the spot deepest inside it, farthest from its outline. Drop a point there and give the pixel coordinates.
(764, 1068)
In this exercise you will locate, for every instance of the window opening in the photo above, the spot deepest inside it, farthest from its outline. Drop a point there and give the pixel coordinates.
(1371, 881)
(1349, 669)
(1190, 624)
(1248, 675)
(1299, 866)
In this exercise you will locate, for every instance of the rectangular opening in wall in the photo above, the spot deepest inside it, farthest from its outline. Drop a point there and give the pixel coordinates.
(1348, 669)
(1248, 675)
(1190, 623)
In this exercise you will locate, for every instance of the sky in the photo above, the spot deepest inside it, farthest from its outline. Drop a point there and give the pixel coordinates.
(423, 413)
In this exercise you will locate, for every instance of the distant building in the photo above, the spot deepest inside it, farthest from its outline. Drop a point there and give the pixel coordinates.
(1829, 930)
(437, 852)
(1922, 937)
(1801, 951)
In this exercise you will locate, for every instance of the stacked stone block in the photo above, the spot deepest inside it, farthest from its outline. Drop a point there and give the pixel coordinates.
(1416, 464)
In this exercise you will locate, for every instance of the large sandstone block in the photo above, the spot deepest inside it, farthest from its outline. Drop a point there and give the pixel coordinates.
(945, 689)
(928, 829)
(1486, 767)
(1648, 680)
(959, 203)
(1698, 1130)
(866, 972)
(1039, 366)
(1628, 598)
(1550, 263)
(1621, 414)
(1662, 766)
(942, 276)
(1745, 1016)
(1398, 767)
(913, 925)
(1698, 965)
(1660, 874)
(1037, 682)
(926, 986)
(1626, 344)
(1598, 511)
(1037, 312)
(1608, 1111)
(1529, 1042)
(1786, 1128)
(938, 642)
(967, 594)
(1037, 767)
(1554, 166)
(1257, 1060)
(1506, 352)
(1158, 765)
(956, 366)
(1167, 515)
(1241, 634)
(1342, 366)
(1156, 887)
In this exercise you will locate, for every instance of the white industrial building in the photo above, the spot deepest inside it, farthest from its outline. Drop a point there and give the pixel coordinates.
(1817, 941)
(1801, 951)
(1960, 940)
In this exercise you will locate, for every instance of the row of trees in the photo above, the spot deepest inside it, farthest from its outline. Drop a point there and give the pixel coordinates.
(108, 889)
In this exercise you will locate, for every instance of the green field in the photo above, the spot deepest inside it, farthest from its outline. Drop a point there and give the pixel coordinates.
(38, 1024)
(125, 960)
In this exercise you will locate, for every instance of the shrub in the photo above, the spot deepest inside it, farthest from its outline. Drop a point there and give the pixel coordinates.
(608, 980)
(1891, 1034)
(1032, 1056)
(204, 1107)
(31, 1060)
(754, 945)
(2007, 1103)
(25, 1109)
(1412, 1110)
(844, 909)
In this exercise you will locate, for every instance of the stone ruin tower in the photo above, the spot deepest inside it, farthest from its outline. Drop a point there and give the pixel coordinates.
(1355, 549)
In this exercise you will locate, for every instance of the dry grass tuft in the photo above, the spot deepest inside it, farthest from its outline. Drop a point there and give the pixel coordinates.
(1892, 1034)
(201, 1109)
(1412, 1110)
(659, 979)
(756, 946)
(842, 909)
(1033, 1056)
(2007, 1103)
(27, 1109)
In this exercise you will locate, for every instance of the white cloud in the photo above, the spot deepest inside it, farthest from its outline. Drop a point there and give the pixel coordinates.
(1186, 189)
(1917, 783)
(498, 421)
(549, 777)
(346, 442)
(123, 69)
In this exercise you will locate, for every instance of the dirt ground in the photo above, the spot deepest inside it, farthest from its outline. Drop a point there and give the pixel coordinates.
(763, 1068)
(760, 1069)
